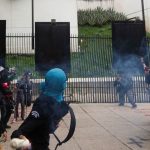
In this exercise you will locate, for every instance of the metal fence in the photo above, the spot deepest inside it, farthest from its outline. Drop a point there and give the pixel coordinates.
(91, 77)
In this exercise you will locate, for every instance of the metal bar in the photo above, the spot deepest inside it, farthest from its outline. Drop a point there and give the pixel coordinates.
(143, 14)
(32, 24)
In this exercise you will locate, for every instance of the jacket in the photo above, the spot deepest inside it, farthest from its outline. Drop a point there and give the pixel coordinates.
(42, 120)
(123, 84)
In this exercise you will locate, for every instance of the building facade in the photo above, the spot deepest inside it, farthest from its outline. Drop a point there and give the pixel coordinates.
(91, 4)
(18, 13)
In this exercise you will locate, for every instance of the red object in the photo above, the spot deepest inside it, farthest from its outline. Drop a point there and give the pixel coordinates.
(147, 68)
(5, 85)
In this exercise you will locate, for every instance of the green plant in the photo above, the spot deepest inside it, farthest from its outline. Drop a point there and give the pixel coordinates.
(95, 31)
(98, 16)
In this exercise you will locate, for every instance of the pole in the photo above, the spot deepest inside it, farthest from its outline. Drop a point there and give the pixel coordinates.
(143, 14)
(32, 24)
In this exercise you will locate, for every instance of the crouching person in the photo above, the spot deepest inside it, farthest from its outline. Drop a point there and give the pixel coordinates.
(40, 122)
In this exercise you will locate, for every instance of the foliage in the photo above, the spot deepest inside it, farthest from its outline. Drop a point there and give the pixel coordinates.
(98, 16)
(105, 30)
(95, 31)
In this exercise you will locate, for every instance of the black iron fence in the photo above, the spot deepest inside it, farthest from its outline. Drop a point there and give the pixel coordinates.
(91, 77)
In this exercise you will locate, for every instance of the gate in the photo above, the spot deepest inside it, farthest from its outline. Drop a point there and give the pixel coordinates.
(91, 77)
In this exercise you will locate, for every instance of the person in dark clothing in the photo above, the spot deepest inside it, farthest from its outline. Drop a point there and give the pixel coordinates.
(2, 127)
(23, 95)
(19, 100)
(6, 94)
(3, 132)
(27, 88)
(124, 87)
(44, 114)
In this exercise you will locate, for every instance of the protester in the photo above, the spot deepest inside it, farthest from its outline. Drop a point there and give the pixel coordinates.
(5, 104)
(6, 95)
(46, 112)
(124, 87)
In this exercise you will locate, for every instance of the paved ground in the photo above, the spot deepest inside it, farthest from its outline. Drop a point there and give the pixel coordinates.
(106, 127)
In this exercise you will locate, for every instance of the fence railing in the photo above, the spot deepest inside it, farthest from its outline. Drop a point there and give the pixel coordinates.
(91, 77)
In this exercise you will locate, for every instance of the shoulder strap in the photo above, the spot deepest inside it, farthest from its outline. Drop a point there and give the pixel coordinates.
(71, 129)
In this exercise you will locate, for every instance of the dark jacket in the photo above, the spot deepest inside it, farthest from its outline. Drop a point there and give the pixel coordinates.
(40, 123)
(123, 84)
(5, 82)
(2, 128)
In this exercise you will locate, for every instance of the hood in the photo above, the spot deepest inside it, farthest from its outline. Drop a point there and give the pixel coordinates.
(55, 83)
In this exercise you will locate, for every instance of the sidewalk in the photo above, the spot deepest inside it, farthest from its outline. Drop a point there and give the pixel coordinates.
(106, 127)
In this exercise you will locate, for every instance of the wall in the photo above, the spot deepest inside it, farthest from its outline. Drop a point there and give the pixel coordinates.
(17, 13)
(91, 4)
